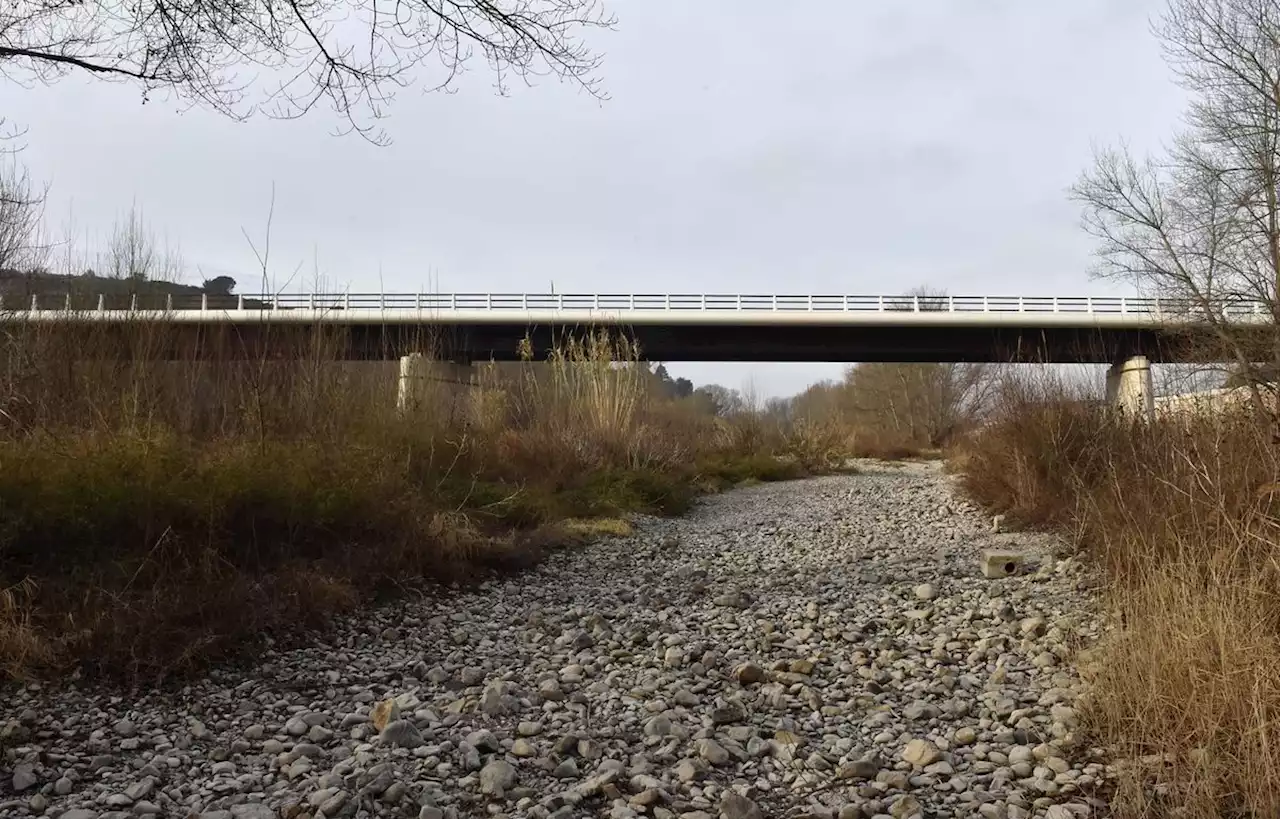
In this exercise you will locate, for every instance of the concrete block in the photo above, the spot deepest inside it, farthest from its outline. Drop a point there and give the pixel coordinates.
(997, 563)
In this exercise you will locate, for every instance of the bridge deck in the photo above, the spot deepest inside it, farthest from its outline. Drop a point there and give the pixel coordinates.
(688, 327)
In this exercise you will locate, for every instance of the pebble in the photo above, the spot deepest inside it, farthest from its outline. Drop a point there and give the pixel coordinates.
(921, 753)
(713, 752)
(826, 648)
(497, 777)
(24, 776)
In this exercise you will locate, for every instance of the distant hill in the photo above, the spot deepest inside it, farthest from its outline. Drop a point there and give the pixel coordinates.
(53, 289)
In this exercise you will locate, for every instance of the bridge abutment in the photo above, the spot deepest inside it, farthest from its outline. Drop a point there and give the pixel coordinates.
(1130, 389)
(417, 380)
(460, 372)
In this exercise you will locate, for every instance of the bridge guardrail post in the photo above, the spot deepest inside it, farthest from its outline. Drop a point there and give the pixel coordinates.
(133, 303)
(66, 305)
(35, 302)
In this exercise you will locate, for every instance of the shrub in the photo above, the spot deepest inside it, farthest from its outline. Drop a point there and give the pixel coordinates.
(156, 516)
(1183, 519)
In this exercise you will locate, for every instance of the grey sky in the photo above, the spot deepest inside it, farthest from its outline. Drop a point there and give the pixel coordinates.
(862, 147)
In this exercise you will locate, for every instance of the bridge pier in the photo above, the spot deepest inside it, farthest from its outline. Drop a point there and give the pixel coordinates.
(1130, 389)
(416, 377)
(411, 390)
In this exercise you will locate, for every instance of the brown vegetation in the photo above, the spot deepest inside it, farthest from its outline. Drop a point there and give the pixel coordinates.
(895, 411)
(1184, 521)
(157, 516)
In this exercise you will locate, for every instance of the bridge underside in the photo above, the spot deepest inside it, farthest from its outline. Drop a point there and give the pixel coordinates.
(671, 342)
(835, 343)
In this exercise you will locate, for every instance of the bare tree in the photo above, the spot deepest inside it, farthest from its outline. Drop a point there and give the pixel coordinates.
(718, 400)
(1201, 224)
(350, 54)
(922, 404)
(133, 253)
(21, 219)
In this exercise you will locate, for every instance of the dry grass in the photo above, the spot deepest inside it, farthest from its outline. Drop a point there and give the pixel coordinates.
(591, 528)
(1185, 520)
(21, 645)
(159, 516)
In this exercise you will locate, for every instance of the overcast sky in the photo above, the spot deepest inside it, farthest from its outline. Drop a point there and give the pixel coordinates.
(865, 147)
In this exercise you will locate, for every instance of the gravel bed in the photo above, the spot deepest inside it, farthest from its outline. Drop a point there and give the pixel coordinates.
(823, 648)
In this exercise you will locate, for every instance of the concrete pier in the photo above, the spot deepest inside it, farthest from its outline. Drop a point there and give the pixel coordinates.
(1130, 388)
(412, 387)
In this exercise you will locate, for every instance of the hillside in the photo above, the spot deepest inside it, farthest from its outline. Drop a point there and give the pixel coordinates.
(17, 288)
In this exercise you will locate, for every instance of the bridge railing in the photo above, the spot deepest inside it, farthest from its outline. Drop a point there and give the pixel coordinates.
(619, 302)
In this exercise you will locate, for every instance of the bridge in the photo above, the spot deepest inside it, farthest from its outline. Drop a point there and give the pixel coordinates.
(672, 327)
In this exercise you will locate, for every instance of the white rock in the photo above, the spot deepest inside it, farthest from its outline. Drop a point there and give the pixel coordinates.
(921, 753)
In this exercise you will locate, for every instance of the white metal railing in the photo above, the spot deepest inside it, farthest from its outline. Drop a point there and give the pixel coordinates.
(615, 302)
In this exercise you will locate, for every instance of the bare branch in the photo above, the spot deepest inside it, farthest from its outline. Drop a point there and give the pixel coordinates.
(21, 219)
(352, 54)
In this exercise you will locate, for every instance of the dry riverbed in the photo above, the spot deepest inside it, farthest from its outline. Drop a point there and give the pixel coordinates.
(823, 648)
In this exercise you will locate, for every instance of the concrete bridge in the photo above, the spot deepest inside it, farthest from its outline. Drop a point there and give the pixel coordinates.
(1127, 333)
(683, 327)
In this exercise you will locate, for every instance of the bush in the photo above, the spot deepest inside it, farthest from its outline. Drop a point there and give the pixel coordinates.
(157, 516)
(1184, 519)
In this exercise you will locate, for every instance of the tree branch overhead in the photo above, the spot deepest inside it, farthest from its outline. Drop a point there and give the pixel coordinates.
(351, 54)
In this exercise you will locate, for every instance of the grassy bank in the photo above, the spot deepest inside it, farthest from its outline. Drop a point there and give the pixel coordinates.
(1184, 519)
(157, 517)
